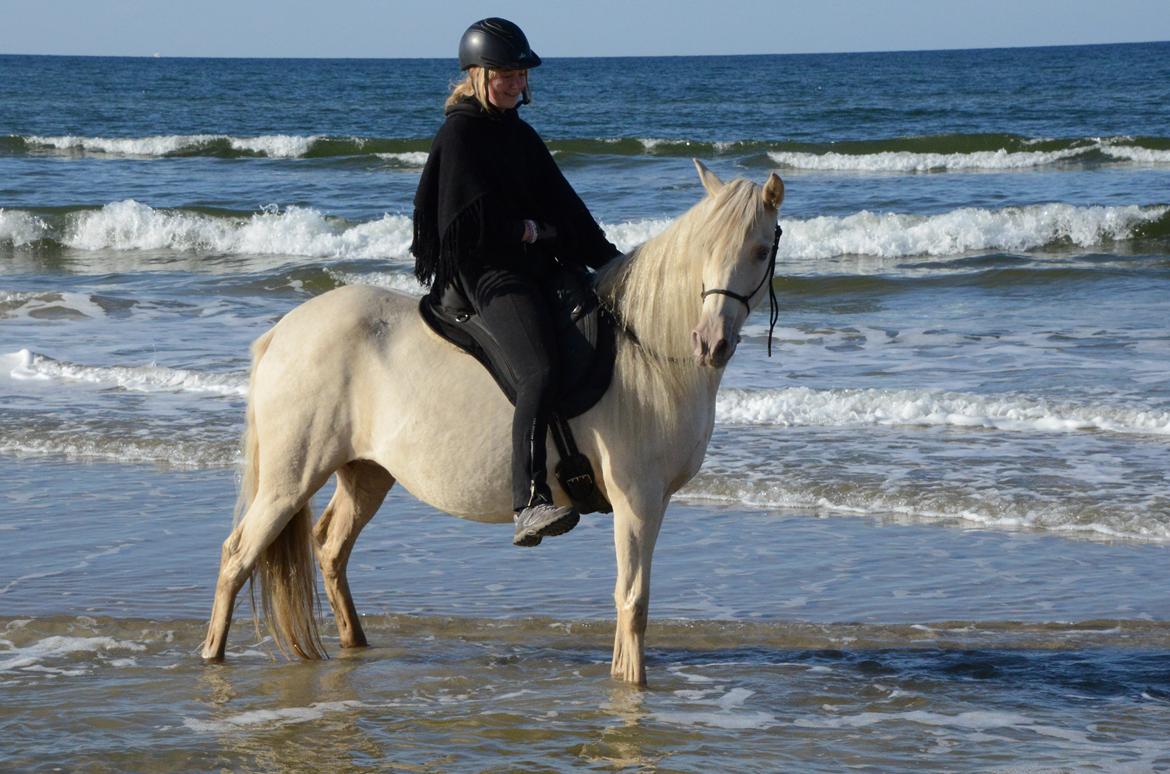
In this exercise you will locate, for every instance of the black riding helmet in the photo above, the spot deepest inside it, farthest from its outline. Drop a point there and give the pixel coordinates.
(497, 44)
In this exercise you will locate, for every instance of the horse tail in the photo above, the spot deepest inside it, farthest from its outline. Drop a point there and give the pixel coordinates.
(287, 575)
(285, 571)
(250, 445)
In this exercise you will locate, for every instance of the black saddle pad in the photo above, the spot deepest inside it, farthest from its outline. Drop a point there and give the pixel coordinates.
(584, 335)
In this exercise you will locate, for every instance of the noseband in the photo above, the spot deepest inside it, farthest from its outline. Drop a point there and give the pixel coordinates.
(774, 308)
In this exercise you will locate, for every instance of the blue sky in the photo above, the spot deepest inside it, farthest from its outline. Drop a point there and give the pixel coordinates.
(409, 28)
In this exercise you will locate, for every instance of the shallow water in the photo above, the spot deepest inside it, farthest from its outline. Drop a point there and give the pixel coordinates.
(777, 641)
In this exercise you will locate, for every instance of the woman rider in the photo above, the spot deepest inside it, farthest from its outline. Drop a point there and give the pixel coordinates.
(491, 216)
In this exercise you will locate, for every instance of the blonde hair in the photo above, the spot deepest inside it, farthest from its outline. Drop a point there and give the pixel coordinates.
(474, 85)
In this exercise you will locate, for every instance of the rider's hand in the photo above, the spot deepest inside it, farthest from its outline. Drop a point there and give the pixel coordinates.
(546, 232)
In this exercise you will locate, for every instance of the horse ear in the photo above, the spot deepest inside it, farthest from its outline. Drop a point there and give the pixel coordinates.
(710, 181)
(773, 192)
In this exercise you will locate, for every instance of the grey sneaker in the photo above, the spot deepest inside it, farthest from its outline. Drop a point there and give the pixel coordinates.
(543, 520)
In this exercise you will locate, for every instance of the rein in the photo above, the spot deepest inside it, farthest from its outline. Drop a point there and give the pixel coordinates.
(774, 305)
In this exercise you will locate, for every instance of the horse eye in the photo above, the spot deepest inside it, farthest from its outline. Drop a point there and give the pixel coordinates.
(761, 253)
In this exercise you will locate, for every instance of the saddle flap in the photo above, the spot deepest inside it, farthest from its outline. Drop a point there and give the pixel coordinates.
(583, 331)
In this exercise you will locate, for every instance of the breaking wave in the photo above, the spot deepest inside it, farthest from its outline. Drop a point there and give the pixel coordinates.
(306, 232)
(130, 225)
(968, 230)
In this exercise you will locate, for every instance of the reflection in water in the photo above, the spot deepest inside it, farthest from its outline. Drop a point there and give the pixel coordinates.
(628, 742)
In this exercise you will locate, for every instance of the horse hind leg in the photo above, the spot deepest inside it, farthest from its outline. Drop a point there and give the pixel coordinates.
(274, 534)
(361, 487)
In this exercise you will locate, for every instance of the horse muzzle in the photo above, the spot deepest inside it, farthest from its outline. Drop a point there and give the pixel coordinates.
(713, 342)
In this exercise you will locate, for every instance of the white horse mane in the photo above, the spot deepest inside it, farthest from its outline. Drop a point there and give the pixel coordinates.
(655, 292)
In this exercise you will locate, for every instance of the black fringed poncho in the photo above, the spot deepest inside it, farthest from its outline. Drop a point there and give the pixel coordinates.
(488, 172)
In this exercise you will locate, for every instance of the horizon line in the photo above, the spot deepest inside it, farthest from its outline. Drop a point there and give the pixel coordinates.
(159, 55)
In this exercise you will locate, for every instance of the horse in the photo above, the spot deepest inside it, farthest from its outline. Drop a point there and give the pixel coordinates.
(388, 401)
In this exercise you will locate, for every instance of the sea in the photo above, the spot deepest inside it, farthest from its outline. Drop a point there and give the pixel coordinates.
(932, 531)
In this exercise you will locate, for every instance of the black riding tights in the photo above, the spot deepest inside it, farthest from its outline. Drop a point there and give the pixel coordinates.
(512, 307)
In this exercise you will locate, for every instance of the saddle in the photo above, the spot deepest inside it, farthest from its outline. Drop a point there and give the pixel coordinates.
(585, 336)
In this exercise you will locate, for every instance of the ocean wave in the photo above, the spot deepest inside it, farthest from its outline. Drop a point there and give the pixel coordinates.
(902, 161)
(306, 232)
(804, 407)
(967, 153)
(896, 154)
(277, 146)
(19, 228)
(26, 365)
(1138, 154)
(129, 225)
(93, 443)
(410, 160)
(966, 230)
(923, 504)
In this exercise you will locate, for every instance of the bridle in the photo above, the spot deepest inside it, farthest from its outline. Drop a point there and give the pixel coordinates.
(774, 308)
(773, 316)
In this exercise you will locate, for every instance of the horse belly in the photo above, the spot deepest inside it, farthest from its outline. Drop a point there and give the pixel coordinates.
(441, 426)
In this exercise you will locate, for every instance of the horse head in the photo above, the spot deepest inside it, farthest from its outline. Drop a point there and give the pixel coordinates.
(738, 260)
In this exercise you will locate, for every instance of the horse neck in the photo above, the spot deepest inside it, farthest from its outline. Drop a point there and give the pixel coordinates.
(656, 291)
(656, 294)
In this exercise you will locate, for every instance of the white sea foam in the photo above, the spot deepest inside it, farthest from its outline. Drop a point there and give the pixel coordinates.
(966, 230)
(915, 503)
(729, 715)
(1001, 159)
(21, 228)
(977, 720)
(277, 146)
(156, 145)
(801, 406)
(295, 231)
(630, 234)
(26, 364)
(408, 159)
(35, 655)
(62, 304)
(1138, 154)
(75, 444)
(274, 145)
(129, 225)
(390, 280)
(282, 716)
(906, 161)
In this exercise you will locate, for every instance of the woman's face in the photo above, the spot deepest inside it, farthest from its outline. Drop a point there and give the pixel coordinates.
(506, 88)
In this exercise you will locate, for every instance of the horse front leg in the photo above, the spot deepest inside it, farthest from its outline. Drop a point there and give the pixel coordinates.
(636, 521)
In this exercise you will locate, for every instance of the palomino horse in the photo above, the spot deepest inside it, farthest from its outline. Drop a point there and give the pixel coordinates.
(387, 400)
